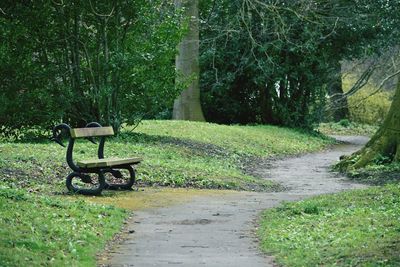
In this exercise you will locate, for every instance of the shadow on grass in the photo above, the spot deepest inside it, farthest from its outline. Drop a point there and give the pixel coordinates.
(198, 148)
(51, 173)
(195, 147)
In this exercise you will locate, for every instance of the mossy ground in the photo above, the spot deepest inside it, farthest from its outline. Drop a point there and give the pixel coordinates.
(380, 171)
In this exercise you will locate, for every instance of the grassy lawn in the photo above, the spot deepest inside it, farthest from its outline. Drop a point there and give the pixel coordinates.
(261, 140)
(41, 230)
(357, 228)
(176, 153)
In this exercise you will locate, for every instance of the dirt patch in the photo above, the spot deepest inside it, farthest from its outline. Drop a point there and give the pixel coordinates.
(145, 198)
(376, 177)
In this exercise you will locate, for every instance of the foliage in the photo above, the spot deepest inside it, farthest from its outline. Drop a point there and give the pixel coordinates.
(367, 105)
(176, 153)
(272, 61)
(350, 128)
(340, 229)
(242, 62)
(42, 230)
(80, 61)
(344, 123)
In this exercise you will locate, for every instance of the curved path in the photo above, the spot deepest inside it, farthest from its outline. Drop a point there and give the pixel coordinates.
(219, 231)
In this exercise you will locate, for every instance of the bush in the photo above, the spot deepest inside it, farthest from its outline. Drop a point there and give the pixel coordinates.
(67, 63)
(344, 123)
(366, 107)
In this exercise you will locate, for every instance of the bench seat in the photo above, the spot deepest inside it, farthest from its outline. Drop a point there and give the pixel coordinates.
(109, 162)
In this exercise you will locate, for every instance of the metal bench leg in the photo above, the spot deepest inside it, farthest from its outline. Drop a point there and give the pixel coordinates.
(82, 179)
(117, 174)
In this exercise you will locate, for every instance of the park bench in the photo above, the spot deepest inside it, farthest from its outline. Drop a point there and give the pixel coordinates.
(80, 180)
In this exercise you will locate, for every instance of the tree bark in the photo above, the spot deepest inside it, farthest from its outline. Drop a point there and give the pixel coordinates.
(340, 107)
(187, 105)
(267, 116)
(385, 143)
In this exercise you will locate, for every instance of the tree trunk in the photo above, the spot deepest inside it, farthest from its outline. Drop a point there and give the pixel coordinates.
(384, 144)
(187, 105)
(339, 105)
(266, 104)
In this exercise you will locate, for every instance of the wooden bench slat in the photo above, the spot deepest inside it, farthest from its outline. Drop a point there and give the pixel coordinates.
(109, 162)
(91, 132)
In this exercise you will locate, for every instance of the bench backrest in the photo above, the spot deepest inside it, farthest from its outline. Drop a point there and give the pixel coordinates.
(91, 132)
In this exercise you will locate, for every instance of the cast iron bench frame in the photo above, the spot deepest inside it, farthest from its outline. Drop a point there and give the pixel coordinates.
(100, 166)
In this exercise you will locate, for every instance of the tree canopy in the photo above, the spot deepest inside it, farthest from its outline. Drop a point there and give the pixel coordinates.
(270, 62)
(81, 61)
(273, 61)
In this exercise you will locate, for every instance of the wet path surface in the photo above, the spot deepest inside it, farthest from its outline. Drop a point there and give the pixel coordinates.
(219, 230)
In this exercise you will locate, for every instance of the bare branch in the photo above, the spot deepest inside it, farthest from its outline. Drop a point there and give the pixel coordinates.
(363, 80)
(383, 83)
(98, 14)
(58, 4)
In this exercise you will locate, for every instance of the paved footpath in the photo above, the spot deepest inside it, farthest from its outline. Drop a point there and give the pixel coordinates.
(219, 230)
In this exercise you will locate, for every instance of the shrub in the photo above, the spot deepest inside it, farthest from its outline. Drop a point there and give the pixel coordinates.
(366, 107)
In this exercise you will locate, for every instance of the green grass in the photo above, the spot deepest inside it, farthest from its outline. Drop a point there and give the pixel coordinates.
(261, 140)
(52, 231)
(377, 174)
(357, 228)
(176, 153)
